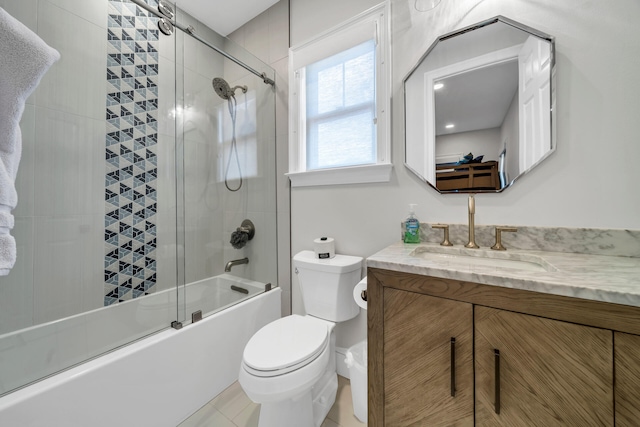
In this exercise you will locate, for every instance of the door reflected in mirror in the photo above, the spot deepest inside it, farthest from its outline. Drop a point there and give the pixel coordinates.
(479, 107)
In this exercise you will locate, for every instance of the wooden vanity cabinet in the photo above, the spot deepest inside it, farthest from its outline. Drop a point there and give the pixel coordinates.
(559, 361)
(428, 354)
(548, 372)
(627, 369)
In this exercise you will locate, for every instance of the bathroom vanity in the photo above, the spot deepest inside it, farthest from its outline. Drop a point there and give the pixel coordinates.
(544, 334)
(463, 337)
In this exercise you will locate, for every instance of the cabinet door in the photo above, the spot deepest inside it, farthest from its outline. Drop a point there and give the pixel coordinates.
(419, 370)
(549, 373)
(627, 357)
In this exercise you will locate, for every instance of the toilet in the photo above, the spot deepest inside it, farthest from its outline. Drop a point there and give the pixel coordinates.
(289, 366)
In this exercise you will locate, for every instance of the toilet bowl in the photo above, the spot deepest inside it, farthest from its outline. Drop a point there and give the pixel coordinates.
(293, 376)
(275, 367)
(289, 366)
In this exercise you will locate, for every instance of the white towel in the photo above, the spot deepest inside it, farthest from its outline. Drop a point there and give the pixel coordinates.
(24, 59)
(7, 253)
(6, 219)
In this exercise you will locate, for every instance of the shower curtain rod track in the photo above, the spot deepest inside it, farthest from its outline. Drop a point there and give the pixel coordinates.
(191, 31)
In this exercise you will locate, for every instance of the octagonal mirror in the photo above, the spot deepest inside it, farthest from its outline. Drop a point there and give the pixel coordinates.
(479, 107)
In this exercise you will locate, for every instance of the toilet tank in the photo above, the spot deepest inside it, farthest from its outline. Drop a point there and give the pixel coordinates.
(327, 285)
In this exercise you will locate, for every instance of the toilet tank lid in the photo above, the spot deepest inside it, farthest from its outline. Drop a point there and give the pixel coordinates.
(337, 264)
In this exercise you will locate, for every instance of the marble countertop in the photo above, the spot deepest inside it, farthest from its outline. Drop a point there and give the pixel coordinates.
(613, 279)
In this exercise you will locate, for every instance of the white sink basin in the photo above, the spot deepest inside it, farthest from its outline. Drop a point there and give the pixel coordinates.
(466, 258)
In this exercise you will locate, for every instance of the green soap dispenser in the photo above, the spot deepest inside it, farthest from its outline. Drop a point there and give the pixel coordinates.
(412, 226)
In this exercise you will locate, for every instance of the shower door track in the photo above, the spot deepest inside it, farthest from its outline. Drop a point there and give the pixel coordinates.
(191, 31)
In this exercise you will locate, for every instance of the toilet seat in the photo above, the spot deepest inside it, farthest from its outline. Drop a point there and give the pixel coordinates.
(285, 345)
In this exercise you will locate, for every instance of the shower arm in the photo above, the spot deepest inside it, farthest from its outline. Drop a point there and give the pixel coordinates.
(243, 88)
(190, 30)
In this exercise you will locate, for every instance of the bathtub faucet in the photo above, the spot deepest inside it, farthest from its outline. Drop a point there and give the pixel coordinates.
(230, 264)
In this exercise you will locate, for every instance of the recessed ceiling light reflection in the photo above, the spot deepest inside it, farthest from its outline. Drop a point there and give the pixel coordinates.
(438, 86)
(450, 126)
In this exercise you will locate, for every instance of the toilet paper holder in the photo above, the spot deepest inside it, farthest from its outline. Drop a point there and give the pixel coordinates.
(360, 294)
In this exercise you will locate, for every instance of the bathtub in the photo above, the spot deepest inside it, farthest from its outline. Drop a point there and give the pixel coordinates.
(159, 380)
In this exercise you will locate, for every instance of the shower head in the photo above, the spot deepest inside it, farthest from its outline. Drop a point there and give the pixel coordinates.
(223, 89)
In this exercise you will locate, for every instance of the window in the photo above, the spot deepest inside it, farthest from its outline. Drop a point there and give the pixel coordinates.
(340, 109)
(339, 105)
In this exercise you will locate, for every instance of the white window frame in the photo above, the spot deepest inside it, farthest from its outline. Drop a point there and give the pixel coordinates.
(340, 38)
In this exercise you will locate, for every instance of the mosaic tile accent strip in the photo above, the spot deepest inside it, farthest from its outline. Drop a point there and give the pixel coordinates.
(131, 152)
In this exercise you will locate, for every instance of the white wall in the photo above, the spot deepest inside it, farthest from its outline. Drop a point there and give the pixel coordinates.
(312, 17)
(485, 142)
(581, 185)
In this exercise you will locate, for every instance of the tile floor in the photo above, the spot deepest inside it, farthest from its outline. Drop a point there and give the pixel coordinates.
(232, 408)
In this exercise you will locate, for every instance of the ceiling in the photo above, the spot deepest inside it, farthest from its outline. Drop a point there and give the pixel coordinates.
(477, 99)
(225, 16)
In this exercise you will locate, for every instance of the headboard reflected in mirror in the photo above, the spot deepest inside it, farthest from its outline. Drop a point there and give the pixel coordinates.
(479, 107)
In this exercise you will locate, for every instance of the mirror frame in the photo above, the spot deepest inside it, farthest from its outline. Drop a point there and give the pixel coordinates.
(552, 112)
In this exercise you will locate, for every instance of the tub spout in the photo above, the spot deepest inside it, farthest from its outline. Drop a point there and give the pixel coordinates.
(230, 264)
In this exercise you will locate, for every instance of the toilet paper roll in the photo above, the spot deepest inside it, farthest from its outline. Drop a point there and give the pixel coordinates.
(357, 293)
(324, 247)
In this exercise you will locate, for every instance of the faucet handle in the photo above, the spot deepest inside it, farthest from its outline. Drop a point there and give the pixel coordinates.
(445, 227)
(498, 246)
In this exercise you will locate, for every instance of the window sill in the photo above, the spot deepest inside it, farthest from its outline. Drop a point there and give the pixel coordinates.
(338, 176)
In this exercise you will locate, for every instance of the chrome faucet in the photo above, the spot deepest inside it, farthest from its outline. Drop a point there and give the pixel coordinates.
(230, 264)
(472, 232)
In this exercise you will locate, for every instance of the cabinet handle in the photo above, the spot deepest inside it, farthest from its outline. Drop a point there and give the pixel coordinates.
(453, 367)
(496, 359)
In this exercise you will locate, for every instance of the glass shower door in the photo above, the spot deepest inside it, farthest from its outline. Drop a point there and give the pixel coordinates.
(96, 221)
(226, 169)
